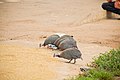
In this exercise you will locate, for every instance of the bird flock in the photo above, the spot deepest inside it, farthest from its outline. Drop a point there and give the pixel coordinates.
(64, 43)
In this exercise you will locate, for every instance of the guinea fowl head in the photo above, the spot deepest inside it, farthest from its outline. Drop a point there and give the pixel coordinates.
(56, 55)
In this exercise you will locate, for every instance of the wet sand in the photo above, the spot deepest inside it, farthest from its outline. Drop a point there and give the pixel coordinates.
(24, 25)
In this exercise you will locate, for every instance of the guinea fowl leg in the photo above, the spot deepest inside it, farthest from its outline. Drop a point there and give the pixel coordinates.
(74, 61)
(70, 60)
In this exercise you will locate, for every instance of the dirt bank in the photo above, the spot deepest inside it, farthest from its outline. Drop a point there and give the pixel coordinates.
(25, 60)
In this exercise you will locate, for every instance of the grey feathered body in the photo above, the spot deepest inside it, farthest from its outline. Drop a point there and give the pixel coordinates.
(51, 39)
(67, 43)
(59, 40)
(71, 53)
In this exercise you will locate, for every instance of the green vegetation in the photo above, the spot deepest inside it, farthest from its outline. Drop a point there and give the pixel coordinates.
(82, 78)
(95, 74)
(109, 61)
(106, 67)
(100, 75)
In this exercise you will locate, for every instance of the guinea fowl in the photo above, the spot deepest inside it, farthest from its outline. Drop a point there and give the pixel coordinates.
(70, 54)
(59, 40)
(67, 43)
(51, 39)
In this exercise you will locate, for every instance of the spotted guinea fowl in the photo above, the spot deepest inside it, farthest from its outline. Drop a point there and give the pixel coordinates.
(67, 43)
(70, 54)
(51, 39)
(59, 40)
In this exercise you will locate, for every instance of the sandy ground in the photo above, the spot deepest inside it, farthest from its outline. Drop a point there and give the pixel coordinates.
(24, 25)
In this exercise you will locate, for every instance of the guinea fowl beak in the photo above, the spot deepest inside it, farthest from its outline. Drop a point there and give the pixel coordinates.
(81, 58)
(54, 55)
(40, 45)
